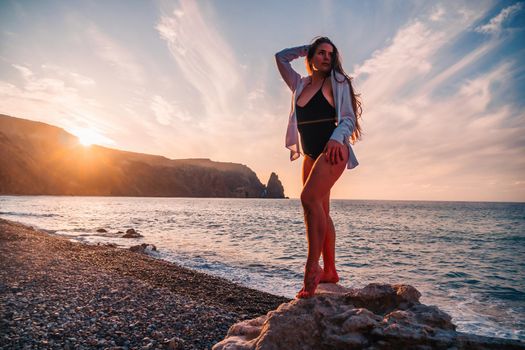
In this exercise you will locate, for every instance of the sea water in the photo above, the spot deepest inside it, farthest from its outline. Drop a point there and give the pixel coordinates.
(467, 258)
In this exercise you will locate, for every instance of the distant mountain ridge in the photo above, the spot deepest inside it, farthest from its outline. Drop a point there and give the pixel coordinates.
(41, 159)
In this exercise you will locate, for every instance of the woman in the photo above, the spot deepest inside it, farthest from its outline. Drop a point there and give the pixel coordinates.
(324, 109)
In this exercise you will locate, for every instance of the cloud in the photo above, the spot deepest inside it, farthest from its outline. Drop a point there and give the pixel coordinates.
(455, 68)
(449, 142)
(52, 100)
(26, 72)
(495, 25)
(235, 110)
(438, 14)
(394, 67)
(203, 56)
(73, 77)
(162, 109)
(407, 65)
(44, 89)
(116, 55)
(166, 112)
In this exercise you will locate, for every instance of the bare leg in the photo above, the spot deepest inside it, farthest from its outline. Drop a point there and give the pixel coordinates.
(329, 273)
(308, 164)
(322, 177)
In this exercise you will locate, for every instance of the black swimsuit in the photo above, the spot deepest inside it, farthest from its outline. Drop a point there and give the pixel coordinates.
(316, 122)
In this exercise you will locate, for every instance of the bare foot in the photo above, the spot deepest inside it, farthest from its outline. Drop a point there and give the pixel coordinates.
(329, 277)
(311, 280)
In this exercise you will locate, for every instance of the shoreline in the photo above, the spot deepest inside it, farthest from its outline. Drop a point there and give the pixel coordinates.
(56, 293)
(291, 198)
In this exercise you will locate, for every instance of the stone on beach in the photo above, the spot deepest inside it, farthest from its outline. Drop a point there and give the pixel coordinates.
(378, 316)
(175, 343)
(143, 248)
(131, 233)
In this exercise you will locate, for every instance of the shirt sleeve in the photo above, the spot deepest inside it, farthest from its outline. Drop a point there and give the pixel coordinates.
(283, 59)
(346, 125)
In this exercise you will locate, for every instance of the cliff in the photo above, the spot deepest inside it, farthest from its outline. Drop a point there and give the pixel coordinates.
(41, 159)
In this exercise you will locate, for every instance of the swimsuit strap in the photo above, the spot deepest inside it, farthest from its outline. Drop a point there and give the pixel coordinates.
(322, 84)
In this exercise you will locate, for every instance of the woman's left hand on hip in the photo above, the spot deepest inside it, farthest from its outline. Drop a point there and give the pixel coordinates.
(334, 151)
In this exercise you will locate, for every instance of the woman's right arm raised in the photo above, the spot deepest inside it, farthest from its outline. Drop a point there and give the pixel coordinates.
(283, 59)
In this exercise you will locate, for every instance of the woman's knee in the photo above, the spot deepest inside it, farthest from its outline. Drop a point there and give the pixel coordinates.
(310, 200)
(329, 224)
(326, 206)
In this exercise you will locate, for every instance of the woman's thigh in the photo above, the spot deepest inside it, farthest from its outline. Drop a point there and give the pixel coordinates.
(307, 167)
(322, 177)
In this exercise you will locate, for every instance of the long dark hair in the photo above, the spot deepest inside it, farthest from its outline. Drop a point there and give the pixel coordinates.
(336, 64)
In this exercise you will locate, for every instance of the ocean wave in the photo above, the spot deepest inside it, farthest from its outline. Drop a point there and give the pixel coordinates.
(39, 215)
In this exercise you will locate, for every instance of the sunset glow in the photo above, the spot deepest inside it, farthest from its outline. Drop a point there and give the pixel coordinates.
(87, 137)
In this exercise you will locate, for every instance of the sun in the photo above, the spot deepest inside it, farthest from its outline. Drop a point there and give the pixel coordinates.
(85, 141)
(87, 137)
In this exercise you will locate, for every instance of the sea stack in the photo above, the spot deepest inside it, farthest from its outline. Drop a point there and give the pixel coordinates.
(274, 188)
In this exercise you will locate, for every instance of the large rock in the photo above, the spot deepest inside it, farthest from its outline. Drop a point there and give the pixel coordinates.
(143, 248)
(378, 316)
(274, 188)
(131, 233)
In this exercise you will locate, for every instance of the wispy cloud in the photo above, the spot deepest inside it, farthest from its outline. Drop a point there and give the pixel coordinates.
(233, 99)
(116, 55)
(450, 139)
(166, 112)
(73, 77)
(393, 67)
(203, 56)
(26, 72)
(495, 25)
(57, 101)
(44, 89)
(438, 14)
(162, 109)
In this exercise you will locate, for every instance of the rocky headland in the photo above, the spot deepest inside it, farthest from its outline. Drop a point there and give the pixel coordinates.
(41, 159)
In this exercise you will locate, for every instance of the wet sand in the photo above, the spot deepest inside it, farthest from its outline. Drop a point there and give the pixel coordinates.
(59, 294)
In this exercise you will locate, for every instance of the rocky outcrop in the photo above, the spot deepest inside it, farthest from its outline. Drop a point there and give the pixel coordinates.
(378, 316)
(131, 233)
(143, 248)
(274, 188)
(41, 159)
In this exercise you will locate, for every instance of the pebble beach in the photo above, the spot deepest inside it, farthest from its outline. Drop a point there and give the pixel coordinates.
(59, 294)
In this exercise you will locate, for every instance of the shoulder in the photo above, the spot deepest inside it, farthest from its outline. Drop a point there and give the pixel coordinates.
(338, 75)
(340, 79)
(304, 80)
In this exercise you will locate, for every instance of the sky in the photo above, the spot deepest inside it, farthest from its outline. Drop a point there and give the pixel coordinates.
(442, 85)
